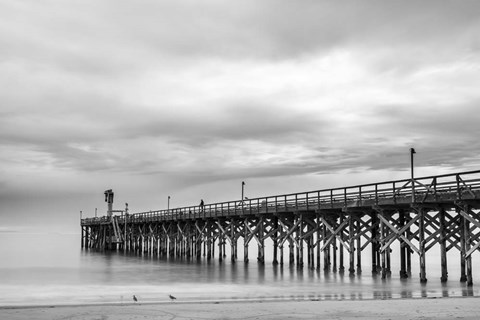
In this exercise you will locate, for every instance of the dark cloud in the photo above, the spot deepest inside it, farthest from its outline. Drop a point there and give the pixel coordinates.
(108, 38)
(242, 121)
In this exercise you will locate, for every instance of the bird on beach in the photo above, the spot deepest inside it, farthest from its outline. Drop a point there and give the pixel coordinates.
(172, 297)
(135, 298)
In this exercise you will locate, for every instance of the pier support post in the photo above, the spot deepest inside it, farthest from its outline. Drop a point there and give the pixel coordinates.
(213, 241)
(334, 246)
(261, 243)
(468, 258)
(245, 240)
(383, 251)
(341, 248)
(171, 246)
(300, 242)
(421, 239)
(234, 240)
(83, 237)
(233, 254)
(275, 241)
(104, 238)
(374, 242)
(220, 247)
(408, 250)
(403, 247)
(463, 252)
(291, 254)
(87, 237)
(351, 243)
(188, 249)
(198, 246)
(318, 240)
(443, 247)
(359, 245)
(165, 245)
(311, 248)
(326, 250)
(209, 235)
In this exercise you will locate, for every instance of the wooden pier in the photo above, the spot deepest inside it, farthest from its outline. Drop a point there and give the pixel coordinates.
(327, 229)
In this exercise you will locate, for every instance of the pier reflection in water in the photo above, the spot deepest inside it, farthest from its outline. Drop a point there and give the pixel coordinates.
(63, 274)
(224, 280)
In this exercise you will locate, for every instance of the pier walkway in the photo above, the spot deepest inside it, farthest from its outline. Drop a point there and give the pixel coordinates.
(322, 228)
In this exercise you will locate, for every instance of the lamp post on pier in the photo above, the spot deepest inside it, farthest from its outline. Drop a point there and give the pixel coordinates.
(243, 186)
(412, 152)
(168, 205)
(125, 229)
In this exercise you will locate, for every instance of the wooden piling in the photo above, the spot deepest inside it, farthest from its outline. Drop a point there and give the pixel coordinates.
(351, 243)
(275, 241)
(443, 246)
(300, 242)
(374, 242)
(403, 247)
(358, 233)
(341, 248)
(318, 240)
(421, 239)
(468, 258)
(463, 252)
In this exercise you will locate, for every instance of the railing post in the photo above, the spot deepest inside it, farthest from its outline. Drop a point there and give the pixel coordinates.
(318, 200)
(331, 198)
(459, 193)
(394, 193)
(412, 152)
(360, 195)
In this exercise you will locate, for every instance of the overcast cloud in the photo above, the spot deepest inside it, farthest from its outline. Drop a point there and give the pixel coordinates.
(191, 97)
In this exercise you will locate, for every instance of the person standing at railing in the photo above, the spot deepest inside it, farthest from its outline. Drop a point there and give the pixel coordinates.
(202, 204)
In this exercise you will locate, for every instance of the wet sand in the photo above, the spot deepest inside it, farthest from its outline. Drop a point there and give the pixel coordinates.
(440, 308)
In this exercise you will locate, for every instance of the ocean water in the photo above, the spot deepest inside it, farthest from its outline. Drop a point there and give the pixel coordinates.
(52, 269)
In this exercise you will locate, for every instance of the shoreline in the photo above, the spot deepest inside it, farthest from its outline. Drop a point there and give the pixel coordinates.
(225, 301)
(395, 309)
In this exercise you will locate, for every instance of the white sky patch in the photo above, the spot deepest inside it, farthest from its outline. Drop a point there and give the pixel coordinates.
(309, 82)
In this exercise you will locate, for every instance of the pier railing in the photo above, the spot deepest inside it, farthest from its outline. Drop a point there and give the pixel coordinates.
(446, 188)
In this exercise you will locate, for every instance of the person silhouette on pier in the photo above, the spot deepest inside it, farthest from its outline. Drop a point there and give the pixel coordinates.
(202, 204)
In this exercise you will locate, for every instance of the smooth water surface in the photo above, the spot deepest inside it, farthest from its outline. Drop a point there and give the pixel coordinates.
(40, 269)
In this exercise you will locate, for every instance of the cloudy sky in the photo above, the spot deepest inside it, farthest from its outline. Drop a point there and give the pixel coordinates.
(189, 98)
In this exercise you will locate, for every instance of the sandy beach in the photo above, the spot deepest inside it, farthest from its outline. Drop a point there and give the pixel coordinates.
(440, 308)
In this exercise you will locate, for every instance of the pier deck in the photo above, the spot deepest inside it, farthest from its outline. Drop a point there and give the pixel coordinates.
(418, 213)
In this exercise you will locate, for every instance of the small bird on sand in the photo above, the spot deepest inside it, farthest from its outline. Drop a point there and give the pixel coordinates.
(135, 298)
(172, 297)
